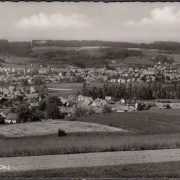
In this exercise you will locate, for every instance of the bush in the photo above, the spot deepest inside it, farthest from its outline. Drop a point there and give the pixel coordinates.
(106, 109)
(168, 106)
(61, 133)
(80, 111)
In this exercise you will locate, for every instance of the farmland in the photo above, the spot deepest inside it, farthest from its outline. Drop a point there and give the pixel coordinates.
(50, 127)
(149, 170)
(146, 130)
(73, 88)
(86, 142)
(146, 122)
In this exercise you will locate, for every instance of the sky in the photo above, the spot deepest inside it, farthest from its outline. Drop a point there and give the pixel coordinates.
(130, 22)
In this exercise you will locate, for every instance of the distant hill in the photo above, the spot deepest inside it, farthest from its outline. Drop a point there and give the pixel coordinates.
(160, 45)
(83, 57)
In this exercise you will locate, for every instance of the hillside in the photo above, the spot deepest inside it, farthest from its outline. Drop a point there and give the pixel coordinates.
(83, 57)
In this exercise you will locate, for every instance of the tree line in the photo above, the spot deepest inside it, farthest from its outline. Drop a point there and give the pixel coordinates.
(160, 45)
(127, 92)
(15, 48)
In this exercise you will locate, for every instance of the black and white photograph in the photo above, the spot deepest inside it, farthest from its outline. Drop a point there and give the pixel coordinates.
(90, 90)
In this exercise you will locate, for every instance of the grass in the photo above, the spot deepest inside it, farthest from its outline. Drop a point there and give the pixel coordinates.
(149, 170)
(74, 86)
(171, 112)
(137, 60)
(146, 122)
(51, 127)
(85, 143)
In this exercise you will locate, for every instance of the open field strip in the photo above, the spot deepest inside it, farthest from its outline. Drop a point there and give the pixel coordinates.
(90, 159)
(51, 127)
(87, 142)
(145, 170)
(60, 89)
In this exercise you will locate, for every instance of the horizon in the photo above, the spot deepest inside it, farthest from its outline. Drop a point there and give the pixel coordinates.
(90, 40)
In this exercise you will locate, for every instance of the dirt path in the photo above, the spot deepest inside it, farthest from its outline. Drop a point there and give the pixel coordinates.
(90, 159)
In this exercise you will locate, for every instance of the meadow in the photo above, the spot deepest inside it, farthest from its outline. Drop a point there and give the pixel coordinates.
(146, 122)
(85, 143)
(49, 127)
(74, 88)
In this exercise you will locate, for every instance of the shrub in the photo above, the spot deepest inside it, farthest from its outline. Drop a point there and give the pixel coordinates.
(61, 133)
(106, 109)
(168, 106)
(80, 111)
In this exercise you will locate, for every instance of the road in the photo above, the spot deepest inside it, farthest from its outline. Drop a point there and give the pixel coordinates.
(89, 159)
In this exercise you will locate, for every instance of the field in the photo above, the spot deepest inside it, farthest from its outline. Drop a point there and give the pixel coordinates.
(51, 127)
(150, 170)
(146, 130)
(85, 143)
(44, 49)
(73, 88)
(136, 60)
(171, 112)
(146, 122)
(73, 85)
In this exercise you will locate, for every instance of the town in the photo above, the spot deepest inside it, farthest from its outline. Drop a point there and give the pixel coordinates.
(30, 87)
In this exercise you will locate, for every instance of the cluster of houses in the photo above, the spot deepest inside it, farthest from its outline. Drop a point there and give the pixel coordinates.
(124, 74)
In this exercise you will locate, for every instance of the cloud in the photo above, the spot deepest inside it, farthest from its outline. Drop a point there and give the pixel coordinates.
(42, 21)
(166, 17)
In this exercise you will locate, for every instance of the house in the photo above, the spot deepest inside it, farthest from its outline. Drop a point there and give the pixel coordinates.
(71, 97)
(31, 96)
(3, 114)
(67, 110)
(83, 98)
(86, 103)
(108, 98)
(122, 101)
(99, 103)
(11, 118)
(42, 71)
(35, 104)
(32, 89)
(120, 108)
(63, 101)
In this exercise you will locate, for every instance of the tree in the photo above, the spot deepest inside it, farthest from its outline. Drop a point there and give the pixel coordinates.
(42, 90)
(24, 82)
(53, 100)
(42, 105)
(2, 120)
(52, 107)
(38, 80)
(37, 115)
(53, 111)
(24, 113)
(106, 109)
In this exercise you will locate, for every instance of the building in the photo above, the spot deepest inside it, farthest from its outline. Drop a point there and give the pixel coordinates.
(11, 118)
